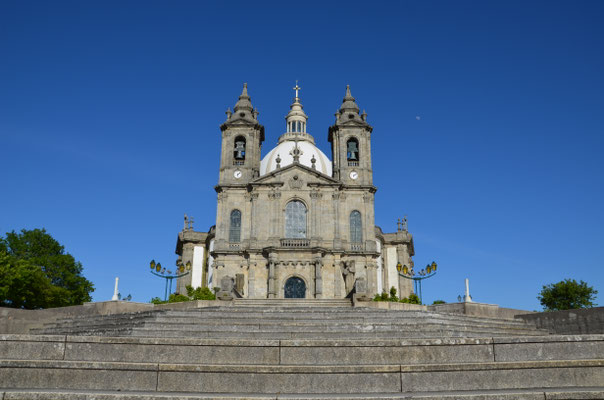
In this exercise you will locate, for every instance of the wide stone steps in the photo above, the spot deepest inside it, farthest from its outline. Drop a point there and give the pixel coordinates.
(555, 393)
(285, 322)
(197, 367)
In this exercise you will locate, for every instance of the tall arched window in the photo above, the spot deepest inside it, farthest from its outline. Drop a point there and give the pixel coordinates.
(235, 227)
(239, 151)
(295, 219)
(352, 152)
(356, 228)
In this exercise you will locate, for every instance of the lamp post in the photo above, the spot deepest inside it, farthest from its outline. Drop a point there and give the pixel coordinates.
(158, 270)
(425, 273)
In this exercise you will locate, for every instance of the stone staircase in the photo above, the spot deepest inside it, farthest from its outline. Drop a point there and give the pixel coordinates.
(297, 350)
(289, 320)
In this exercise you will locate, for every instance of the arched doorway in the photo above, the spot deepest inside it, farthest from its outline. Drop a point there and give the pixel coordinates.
(295, 288)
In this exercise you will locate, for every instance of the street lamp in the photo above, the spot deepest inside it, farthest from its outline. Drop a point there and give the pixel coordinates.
(158, 270)
(425, 273)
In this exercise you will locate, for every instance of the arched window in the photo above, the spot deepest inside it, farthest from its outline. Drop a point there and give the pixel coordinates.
(235, 227)
(239, 151)
(352, 152)
(295, 220)
(356, 228)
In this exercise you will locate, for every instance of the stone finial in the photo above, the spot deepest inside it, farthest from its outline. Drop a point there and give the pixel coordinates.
(296, 152)
(404, 223)
(255, 113)
(348, 103)
(184, 228)
(364, 116)
(229, 113)
(244, 102)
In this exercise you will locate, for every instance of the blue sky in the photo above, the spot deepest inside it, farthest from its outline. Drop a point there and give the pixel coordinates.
(110, 114)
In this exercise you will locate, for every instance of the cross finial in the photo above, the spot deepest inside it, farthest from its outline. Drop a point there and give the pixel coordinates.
(297, 88)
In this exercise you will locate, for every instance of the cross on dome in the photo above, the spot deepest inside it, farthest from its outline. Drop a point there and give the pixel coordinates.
(297, 88)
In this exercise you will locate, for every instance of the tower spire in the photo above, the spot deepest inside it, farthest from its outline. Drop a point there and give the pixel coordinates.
(348, 103)
(244, 102)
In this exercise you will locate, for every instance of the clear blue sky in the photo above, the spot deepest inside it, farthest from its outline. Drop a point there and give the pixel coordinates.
(110, 114)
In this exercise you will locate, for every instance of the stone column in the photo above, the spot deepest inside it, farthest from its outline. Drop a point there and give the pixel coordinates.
(253, 221)
(371, 278)
(337, 277)
(271, 277)
(337, 241)
(278, 215)
(222, 229)
(315, 198)
(318, 277)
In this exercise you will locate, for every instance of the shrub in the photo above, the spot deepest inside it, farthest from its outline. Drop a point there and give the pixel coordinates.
(192, 294)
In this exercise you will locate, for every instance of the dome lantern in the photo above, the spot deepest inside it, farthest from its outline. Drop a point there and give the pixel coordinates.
(296, 121)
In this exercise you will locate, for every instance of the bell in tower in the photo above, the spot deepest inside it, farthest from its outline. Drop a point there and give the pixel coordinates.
(353, 150)
(240, 150)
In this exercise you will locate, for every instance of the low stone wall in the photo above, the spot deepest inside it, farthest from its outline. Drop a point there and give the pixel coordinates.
(14, 320)
(478, 310)
(388, 305)
(569, 322)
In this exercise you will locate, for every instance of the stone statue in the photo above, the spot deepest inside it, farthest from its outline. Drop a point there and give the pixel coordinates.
(348, 271)
(226, 288)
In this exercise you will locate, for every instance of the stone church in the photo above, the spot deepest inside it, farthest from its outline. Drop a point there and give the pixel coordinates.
(295, 223)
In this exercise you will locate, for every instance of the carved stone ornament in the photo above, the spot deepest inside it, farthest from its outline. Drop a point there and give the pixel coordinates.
(315, 194)
(295, 182)
(274, 195)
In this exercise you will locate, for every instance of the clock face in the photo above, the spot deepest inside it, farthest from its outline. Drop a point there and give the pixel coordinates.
(237, 174)
(354, 174)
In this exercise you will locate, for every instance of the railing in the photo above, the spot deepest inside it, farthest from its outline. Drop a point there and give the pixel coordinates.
(353, 163)
(295, 242)
(356, 246)
(238, 162)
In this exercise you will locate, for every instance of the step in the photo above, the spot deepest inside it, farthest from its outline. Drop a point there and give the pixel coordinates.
(301, 352)
(363, 321)
(557, 393)
(211, 378)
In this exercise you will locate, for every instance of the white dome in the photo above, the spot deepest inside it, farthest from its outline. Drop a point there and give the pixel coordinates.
(284, 151)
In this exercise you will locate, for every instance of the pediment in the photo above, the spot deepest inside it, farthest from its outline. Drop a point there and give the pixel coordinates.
(295, 176)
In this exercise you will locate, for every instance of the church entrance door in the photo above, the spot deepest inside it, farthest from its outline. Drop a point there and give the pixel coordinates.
(295, 288)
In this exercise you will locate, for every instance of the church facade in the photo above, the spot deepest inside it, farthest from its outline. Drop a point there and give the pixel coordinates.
(295, 223)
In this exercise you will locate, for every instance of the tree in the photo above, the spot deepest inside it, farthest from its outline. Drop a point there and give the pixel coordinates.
(36, 272)
(567, 295)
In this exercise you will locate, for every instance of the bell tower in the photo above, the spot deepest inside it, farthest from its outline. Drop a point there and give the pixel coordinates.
(350, 139)
(242, 136)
